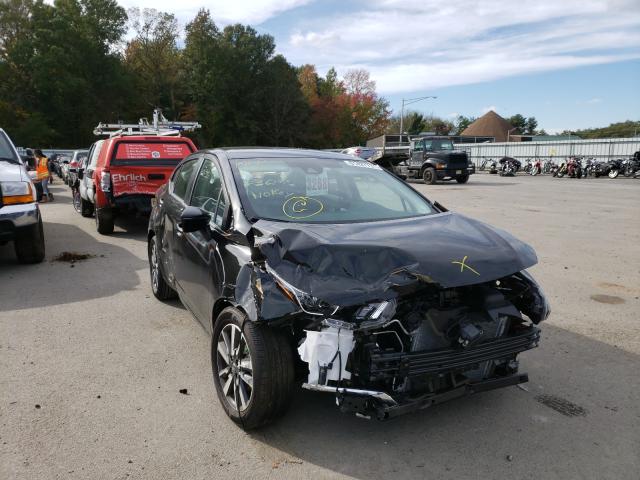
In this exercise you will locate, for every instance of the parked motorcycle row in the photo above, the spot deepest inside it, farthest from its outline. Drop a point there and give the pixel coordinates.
(573, 167)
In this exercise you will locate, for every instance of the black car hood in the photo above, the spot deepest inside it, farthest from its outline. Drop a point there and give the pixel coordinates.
(352, 263)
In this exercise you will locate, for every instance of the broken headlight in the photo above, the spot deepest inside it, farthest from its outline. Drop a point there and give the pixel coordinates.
(530, 299)
(307, 302)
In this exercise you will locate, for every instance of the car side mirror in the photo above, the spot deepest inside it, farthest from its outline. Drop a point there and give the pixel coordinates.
(193, 219)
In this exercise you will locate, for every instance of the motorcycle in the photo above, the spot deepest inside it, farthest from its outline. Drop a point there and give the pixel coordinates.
(509, 166)
(549, 167)
(489, 164)
(632, 165)
(615, 167)
(574, 168)
(560, 170)
(536, 168)
(528, 166)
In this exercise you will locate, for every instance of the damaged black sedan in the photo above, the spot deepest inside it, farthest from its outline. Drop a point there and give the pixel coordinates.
(315, 266)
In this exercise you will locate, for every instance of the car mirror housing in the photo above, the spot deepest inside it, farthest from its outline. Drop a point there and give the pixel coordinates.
(193, 219)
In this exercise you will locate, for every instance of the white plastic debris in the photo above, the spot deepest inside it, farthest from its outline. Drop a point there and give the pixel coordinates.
(327, 351)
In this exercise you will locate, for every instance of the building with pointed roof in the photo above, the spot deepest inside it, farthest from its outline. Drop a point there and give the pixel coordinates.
(490, 125)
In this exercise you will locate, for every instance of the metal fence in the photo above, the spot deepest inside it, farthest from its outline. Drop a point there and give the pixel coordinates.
(602, 149)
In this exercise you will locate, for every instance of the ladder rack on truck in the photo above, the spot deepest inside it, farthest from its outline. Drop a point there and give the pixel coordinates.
(160, 126)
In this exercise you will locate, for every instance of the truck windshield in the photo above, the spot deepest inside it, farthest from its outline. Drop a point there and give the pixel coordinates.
(438, 145)
(323, 190)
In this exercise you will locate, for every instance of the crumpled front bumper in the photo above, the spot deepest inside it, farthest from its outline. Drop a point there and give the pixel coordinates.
(451, 363)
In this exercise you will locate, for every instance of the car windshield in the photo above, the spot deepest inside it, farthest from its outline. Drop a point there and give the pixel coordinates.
(321, 190)
(7, 153)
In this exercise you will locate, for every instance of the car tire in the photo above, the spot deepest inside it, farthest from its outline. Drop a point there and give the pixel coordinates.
(76, 199)
(159, 286)
(86, 208)
(270, 372)
(462, 179)
(104, 221)
(429, 176)
(29, 244)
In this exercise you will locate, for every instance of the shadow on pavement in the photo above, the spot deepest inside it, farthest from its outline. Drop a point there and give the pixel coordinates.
(472, 182)
(111, 269)
(504, 433)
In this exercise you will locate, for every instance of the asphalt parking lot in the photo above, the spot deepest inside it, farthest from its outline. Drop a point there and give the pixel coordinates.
(92, 366)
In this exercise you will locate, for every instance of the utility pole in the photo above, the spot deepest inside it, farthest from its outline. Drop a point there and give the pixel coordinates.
(409, 101)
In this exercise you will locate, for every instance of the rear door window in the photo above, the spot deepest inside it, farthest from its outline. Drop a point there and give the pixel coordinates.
(139, 154)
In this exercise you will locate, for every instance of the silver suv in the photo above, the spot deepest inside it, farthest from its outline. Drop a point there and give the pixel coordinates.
(20, 219)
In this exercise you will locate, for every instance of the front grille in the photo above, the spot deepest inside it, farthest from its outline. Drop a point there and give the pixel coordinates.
(388, 365)
(458, 160)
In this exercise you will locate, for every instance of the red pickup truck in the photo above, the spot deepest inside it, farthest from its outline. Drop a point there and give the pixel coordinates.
(126, 172)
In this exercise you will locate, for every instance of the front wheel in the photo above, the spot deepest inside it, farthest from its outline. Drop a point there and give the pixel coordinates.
(614, 173)
(29, 244)
(462, 179)
(628, 172)
(252, 369)
(429, 175)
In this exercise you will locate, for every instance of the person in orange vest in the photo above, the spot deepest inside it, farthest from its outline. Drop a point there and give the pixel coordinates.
(42, 174)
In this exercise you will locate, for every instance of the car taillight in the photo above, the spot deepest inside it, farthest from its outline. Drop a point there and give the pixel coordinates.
(105, 181)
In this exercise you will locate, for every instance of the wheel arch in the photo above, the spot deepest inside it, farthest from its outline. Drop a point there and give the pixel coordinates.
(219, 305)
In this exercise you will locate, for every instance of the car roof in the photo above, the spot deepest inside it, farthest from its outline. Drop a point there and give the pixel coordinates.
(261, 152)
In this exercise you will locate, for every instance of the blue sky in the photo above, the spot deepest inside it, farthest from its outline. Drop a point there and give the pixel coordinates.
(570, 63)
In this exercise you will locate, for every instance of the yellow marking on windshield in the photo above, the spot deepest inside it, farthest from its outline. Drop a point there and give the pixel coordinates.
(302, 207)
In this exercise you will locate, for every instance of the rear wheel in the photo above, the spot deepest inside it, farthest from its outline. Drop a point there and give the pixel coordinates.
(252, 369)
(29, 244)
(429, 175)
(104, 221)
(462, 178)
(160, 288)
(614, 173)
(77, 200)
(86, 207)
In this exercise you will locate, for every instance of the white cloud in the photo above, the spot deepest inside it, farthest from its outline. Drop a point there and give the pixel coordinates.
(224, 12)
(420, 45)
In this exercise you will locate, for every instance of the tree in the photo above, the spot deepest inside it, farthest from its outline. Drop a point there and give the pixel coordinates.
(153, 58)
(531, 126)
(518, 122)
(308, 78)
(60, 72)
(462, 123)
(628, 128)
(284, 112)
